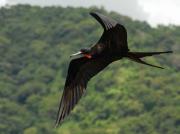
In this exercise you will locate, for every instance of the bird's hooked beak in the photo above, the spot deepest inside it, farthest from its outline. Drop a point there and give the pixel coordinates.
(83, 54)
(78, 53)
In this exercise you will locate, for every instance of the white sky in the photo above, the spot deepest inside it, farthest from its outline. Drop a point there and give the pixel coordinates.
(153, 11)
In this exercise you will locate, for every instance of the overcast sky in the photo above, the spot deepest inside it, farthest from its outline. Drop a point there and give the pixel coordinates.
(153, 11)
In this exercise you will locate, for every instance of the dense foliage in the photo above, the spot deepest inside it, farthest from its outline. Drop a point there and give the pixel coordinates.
(126, 98)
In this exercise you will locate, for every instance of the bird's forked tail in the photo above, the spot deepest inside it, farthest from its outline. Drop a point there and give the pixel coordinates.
(136, 56)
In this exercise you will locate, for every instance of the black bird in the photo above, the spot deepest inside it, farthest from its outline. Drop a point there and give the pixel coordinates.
(112, 46)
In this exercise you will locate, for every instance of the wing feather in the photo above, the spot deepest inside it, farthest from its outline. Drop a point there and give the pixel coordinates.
(106, 22)
(76, 86)
(114, 37)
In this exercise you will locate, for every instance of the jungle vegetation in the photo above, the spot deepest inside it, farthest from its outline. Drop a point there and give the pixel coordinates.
(126, 98)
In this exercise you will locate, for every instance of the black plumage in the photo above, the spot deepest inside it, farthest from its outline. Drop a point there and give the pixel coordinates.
(111, 46)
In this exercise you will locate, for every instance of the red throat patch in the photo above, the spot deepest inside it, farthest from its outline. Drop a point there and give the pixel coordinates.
(88, 56)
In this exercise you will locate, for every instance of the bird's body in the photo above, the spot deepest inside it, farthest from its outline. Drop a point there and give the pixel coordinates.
(111, 46)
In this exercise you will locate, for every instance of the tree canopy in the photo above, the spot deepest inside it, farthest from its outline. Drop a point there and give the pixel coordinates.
(126, 98)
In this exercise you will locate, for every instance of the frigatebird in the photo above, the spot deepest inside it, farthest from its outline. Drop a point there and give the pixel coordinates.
(111, 46)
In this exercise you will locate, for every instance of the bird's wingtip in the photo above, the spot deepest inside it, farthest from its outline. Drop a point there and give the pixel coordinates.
(57, 124)
(92, 13)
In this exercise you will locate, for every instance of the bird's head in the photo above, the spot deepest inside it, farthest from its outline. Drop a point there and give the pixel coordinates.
(84, 53)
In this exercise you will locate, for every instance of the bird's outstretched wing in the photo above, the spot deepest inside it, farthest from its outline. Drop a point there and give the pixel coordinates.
(80, 71)
(114, 37)
(106, 22)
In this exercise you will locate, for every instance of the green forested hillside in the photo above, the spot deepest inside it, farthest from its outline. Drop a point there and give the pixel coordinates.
(126, 98)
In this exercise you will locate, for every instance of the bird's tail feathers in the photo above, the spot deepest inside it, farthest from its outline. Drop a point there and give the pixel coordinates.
(135, 56)
(145, 54)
